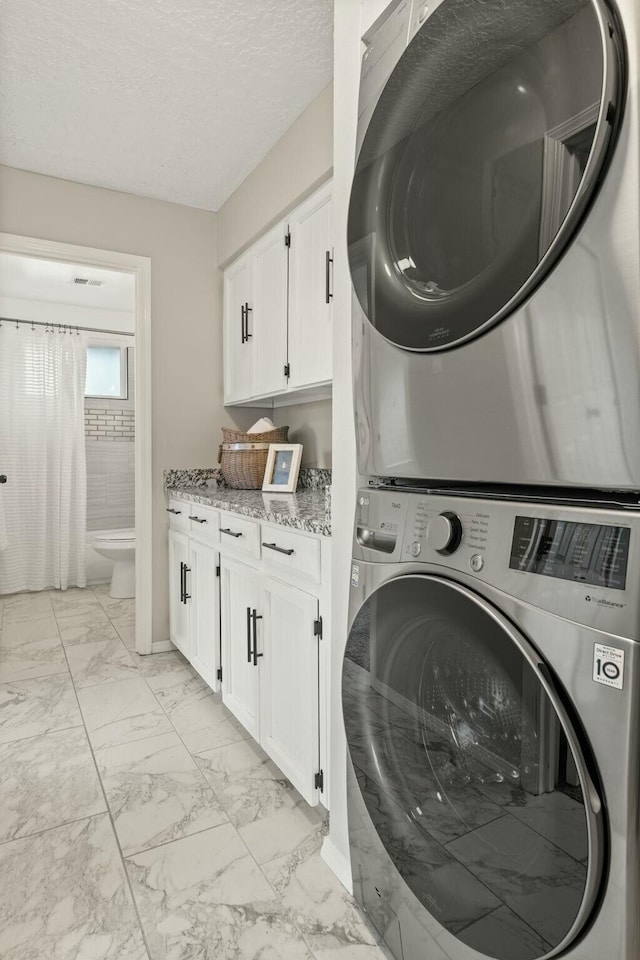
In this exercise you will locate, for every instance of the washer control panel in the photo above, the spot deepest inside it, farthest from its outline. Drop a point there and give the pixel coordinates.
(574, 561)
(439, 528)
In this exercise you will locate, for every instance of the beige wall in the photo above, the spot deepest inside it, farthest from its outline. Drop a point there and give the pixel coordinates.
(299, 162)
(309, 424)
(185, 316)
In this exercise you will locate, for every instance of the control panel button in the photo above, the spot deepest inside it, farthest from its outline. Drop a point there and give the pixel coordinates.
(476, 563)
(444, 532)
(415, 549)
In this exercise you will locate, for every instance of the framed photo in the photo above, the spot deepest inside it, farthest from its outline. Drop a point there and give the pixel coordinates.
(283, 467)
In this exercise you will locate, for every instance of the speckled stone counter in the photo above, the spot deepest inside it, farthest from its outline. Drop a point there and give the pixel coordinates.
(308, 510)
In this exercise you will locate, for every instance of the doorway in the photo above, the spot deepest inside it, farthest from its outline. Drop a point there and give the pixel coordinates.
(139, 269)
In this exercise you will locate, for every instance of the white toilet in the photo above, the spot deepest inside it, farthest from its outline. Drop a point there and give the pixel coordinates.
(119, 546)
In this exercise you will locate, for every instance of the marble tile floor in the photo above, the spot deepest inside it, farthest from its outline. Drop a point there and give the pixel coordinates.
(138, 820)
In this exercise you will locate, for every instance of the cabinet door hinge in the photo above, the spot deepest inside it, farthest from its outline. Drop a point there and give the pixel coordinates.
(218, 570)
(318, 781)
(287, 369)
(219, 673)
(287, 238)
(317, 628)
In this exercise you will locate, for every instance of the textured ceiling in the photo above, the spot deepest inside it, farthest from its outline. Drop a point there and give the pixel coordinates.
(29, 278)
(173, 99)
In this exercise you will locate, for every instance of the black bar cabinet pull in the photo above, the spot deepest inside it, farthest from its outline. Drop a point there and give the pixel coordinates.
(273, 546)
(247, 310)
(255, 616)
(229, 532)
(248, 634)
(171, 510)
(187, 596)
(181, 582)
(327, 290)
(242, 323)
(198, 519)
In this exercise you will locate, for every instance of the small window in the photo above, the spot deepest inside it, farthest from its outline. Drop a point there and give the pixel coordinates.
(106, 372)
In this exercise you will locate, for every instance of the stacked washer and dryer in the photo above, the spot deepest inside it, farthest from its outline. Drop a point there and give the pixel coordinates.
(491, 679)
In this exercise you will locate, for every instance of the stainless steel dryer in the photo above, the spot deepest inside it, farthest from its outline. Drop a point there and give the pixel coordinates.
(494, 243)
(491, 698)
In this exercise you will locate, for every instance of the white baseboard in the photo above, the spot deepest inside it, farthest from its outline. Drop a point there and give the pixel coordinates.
(340, 865)
(162, 646)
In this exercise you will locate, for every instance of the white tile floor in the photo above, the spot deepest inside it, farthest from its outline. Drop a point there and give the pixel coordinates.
(137, 818)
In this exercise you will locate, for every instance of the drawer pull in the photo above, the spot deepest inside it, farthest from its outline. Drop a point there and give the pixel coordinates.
(171, 510)
(273, 546)
(197, 519)
(229, 532)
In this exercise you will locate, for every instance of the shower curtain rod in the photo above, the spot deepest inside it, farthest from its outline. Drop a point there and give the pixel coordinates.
(59, 327)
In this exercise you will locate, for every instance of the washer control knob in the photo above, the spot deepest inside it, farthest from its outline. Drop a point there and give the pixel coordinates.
(444, 532)
(476, 562)
(415, 548)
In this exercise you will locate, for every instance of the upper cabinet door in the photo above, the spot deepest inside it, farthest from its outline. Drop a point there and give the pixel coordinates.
(239, 346)
(311, 290)
(268, 319)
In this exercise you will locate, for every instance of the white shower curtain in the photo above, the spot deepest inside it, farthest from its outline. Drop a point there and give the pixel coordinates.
(42, 452)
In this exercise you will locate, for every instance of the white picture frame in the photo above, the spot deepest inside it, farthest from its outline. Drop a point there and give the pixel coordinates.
(283, 467)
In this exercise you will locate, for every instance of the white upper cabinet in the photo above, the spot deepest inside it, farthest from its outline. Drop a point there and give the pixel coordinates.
(238, 342)
(268, 320)
(311, 291)
(278, 310)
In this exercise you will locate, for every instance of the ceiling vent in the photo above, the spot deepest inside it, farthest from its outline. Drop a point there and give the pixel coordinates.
(86, 282)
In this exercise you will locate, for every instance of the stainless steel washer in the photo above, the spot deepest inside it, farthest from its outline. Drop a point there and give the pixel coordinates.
(494, 243)
(491, 699)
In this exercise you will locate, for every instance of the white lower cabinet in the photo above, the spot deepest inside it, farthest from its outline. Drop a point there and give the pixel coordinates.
(289, 684)
(204, 611)
(240, 600)
(194, 604)
(270, 669)
(246, 613)
(178, 606)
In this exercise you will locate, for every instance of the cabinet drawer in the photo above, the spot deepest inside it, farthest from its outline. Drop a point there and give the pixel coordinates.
(239, 536)
(284, 549)
(178, 513)
(204, 522)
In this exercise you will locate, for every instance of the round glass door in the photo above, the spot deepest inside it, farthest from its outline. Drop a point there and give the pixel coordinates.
(471, 772)
(479, 162)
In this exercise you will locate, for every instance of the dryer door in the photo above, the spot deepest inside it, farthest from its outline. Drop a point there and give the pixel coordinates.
(473, 776)
(479, 162)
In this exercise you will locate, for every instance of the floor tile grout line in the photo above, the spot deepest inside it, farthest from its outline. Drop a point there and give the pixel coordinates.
(113, 826)
(56, 826)
(187, 836)
(32, 736)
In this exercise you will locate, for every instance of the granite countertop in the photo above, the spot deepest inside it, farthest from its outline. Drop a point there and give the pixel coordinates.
(308, 510)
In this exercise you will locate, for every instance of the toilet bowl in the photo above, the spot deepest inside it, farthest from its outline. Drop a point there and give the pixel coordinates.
(119, 546)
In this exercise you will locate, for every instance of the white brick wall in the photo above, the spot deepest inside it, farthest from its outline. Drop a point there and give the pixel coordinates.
(103, 424)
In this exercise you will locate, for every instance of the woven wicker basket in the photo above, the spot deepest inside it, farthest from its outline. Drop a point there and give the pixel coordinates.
(243, 456)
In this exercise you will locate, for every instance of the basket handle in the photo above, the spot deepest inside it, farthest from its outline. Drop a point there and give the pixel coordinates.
(219, 453)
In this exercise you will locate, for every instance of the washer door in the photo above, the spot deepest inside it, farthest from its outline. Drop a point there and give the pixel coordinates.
(471, 771)
(479, 161)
